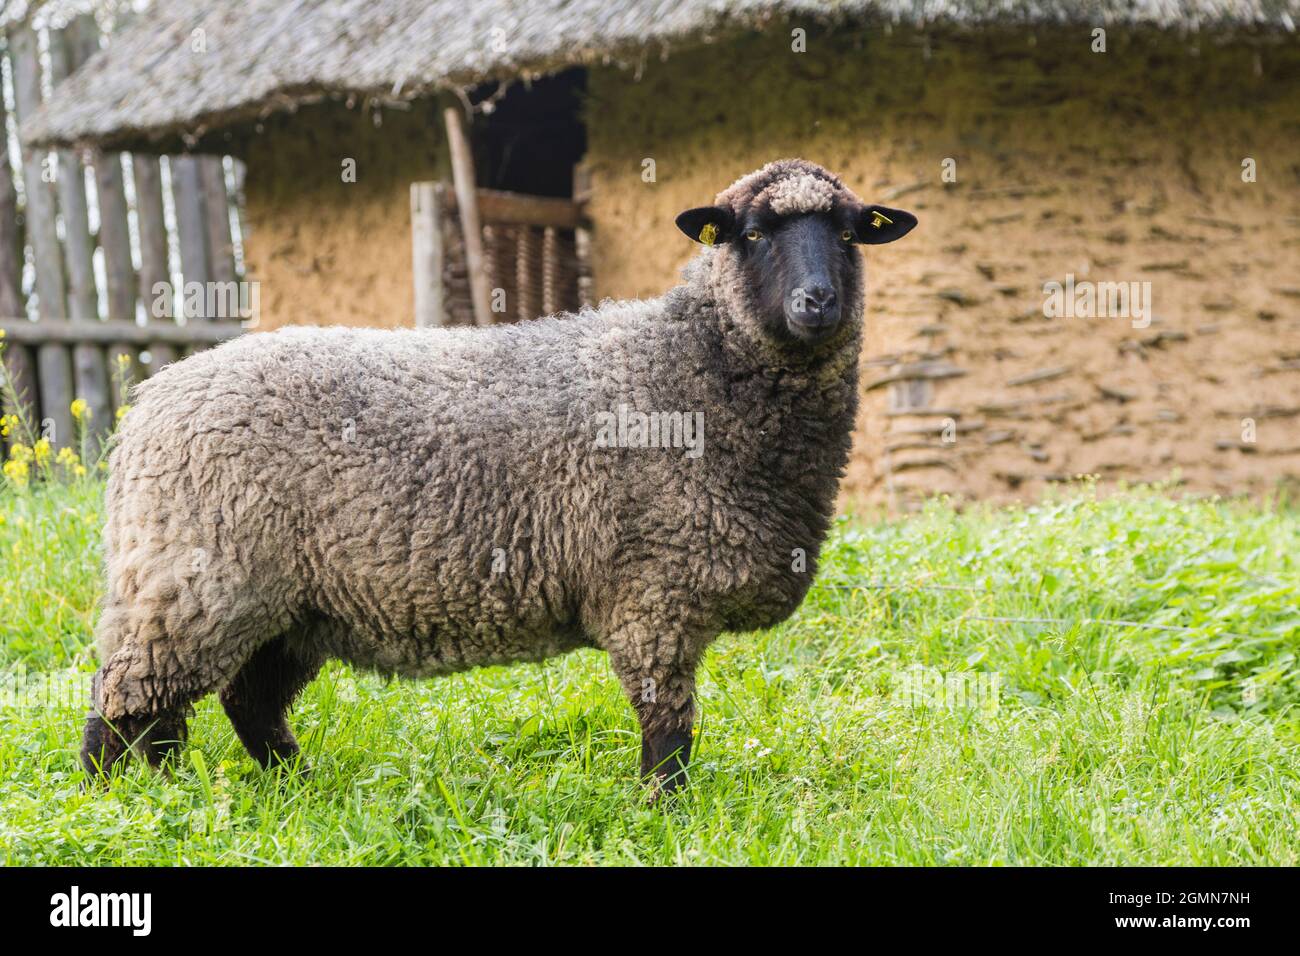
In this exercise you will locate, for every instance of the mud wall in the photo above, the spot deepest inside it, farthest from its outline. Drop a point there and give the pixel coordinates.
(1123, 166)
(324, 250)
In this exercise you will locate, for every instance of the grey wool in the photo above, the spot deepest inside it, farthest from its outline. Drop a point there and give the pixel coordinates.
(425, 501)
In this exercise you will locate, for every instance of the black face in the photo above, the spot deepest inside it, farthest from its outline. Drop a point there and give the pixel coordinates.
(800, 269)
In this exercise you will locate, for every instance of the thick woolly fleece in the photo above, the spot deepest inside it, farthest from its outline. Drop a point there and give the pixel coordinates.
(421, 502)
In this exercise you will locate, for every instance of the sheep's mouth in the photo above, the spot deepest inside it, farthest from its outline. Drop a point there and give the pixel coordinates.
(810, 328)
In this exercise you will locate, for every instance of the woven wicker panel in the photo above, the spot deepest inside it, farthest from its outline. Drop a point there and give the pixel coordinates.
(532, 270)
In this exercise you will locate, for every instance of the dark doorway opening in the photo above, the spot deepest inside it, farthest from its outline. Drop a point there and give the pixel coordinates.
(533, 135)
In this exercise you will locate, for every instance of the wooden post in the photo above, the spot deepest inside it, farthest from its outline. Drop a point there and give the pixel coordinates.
(462, 174)
(53, 362)
(582, 239)
(20, 364)
(155, 274)
(89, 371)
(11, 244)
(115, 236)
(239, 174)
(426, 253)
(115, 240)
(79, 247)
(494, 265)
(187, 197)
(216, 216)
(114, 228)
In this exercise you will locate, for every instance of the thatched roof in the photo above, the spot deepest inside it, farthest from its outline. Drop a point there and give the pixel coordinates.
(150, 88)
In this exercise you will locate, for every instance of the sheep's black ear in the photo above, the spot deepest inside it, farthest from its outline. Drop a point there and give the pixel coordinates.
(876, 224)
(708, 224)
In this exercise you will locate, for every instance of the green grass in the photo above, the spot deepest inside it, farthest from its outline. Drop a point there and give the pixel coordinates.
(1107, 744)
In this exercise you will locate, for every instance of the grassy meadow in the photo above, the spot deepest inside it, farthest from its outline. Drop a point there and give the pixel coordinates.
(956, 690)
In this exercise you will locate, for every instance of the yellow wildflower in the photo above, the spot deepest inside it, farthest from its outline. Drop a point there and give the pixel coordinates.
(79, 408)
(79, 470)
(41, 451)
(67, 457)
(20, 452)
(17, 472)
(121, 412)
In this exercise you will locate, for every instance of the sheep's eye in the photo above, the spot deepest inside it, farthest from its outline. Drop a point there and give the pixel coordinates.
(753, 235)
(847, 235)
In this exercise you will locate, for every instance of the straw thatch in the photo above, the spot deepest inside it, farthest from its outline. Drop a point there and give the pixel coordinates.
(161, 81)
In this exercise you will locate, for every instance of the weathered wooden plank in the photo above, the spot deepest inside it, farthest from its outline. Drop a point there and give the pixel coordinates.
(427, 210)
(216, 217)
(192, 232)
(239, 173)
(20, 364)
(115, 240)
(38, 192)
(90, 374)
(78, 244)
(110, 188)
(582, 239)
(53, 362)
(54, 377)
(119, 330)
(462, 172)
(11, 241)
(155, 272)
(115, 236)
(519, 209)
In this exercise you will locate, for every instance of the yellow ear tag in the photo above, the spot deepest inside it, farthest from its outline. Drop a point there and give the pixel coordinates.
(709, 234)
(879, 219)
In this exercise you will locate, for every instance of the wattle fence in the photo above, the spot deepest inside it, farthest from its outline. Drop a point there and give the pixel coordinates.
(97, 250)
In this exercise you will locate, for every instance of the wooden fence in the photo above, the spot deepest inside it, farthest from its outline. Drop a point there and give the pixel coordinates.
(92, 268)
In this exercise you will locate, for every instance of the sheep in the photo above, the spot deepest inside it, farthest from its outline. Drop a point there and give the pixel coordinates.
(639, 477)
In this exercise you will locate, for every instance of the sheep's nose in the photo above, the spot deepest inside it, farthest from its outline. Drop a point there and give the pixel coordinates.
(820, 299)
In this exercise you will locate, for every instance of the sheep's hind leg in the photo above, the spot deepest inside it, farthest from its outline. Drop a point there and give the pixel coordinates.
(258, 698)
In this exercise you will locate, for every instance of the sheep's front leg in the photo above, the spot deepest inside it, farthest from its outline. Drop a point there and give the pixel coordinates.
(657, 671)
